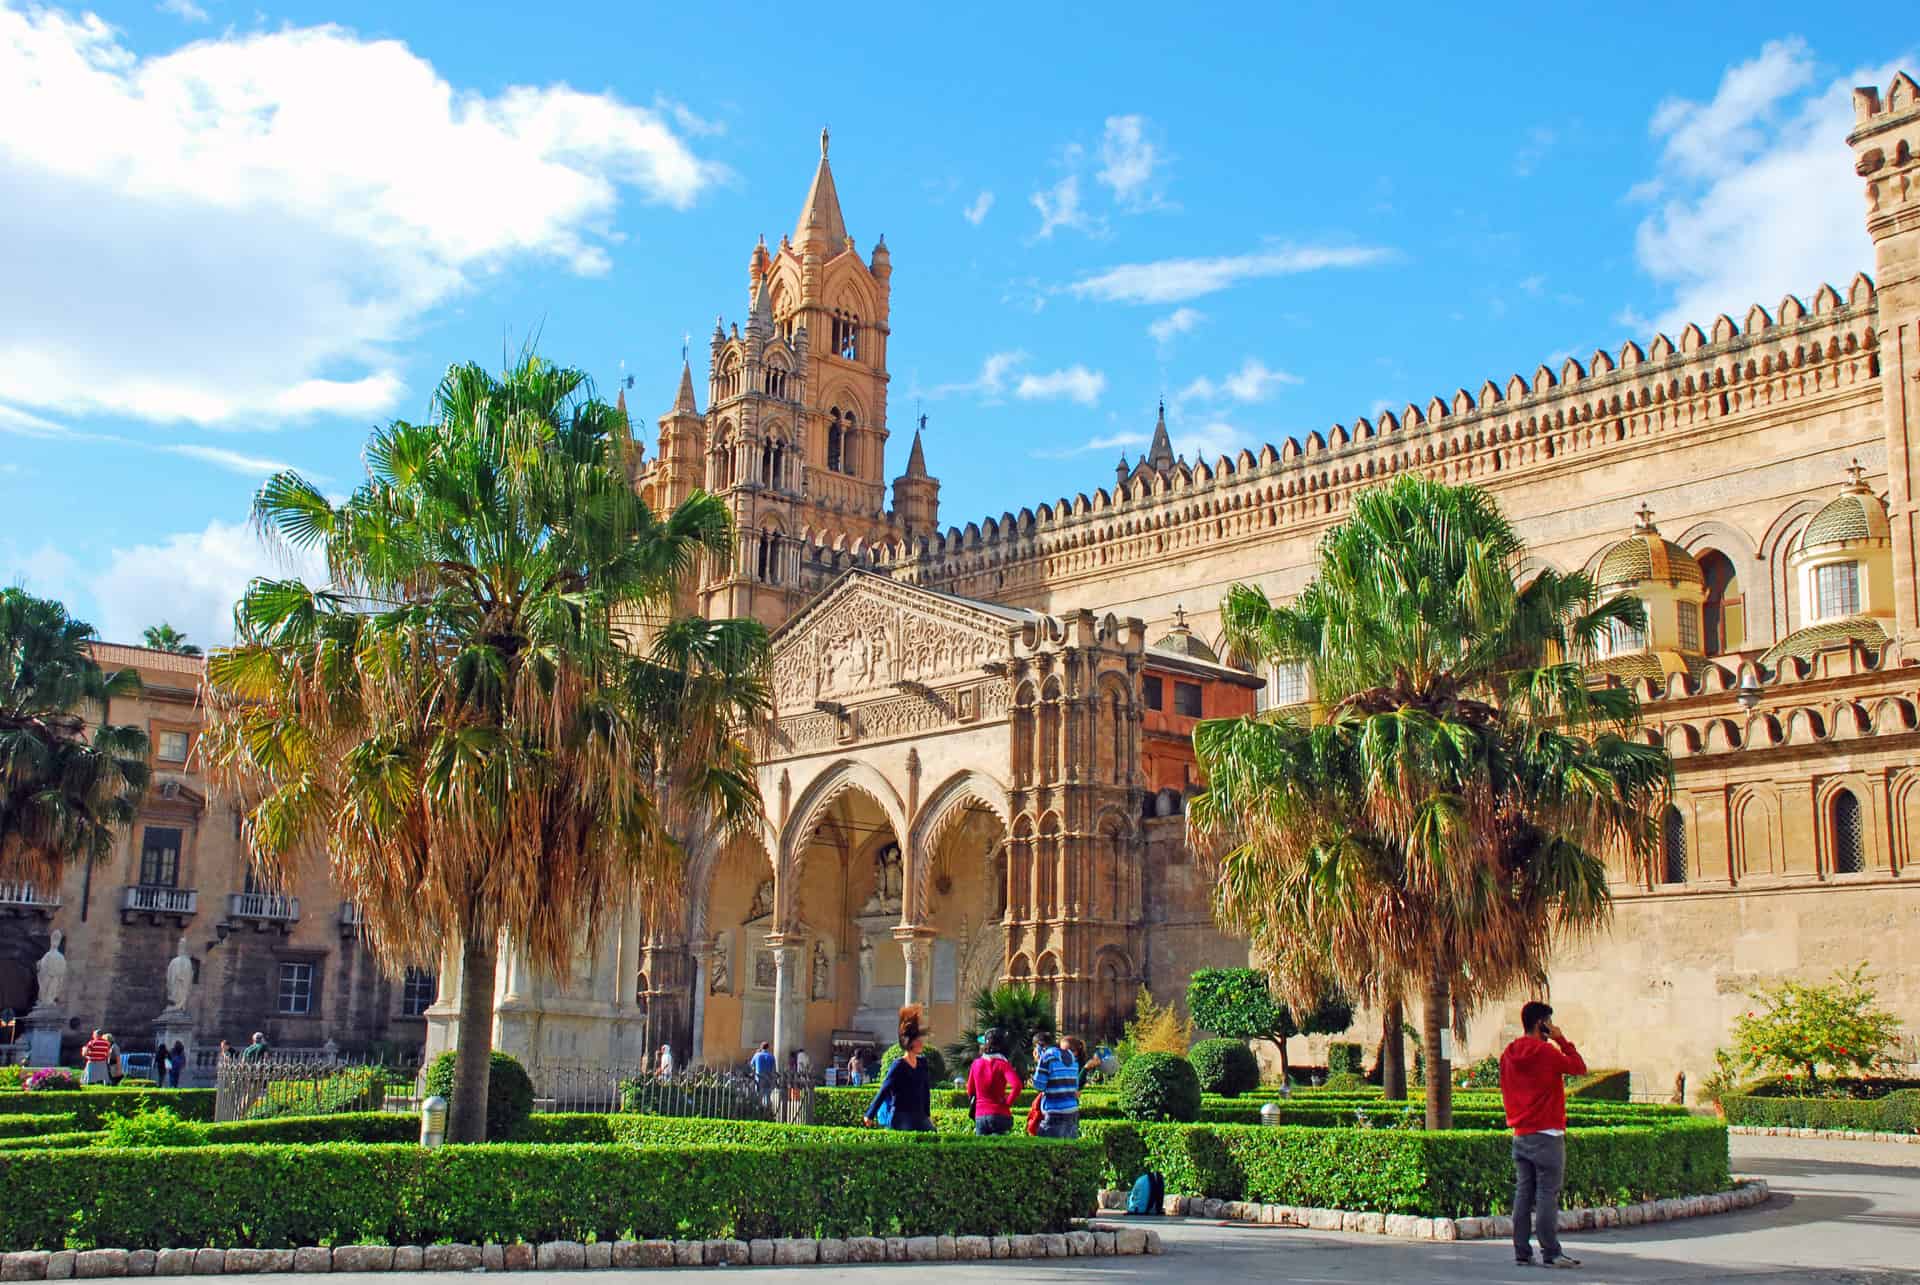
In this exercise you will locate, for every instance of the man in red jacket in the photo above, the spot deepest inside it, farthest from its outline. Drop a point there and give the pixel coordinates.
(1533, 1088)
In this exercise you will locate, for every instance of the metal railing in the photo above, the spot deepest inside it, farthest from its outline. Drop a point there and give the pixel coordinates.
(263, 905)
(26, 896)
(702, 1092)
(298, 1082)
(161, 900)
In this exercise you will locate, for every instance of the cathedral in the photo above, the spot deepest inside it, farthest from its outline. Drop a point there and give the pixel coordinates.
(981, 753)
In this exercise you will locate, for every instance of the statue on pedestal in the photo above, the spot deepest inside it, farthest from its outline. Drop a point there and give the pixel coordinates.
(822, 981)
(179, 979)
(719, 976)
(52, 973)
(866, 968)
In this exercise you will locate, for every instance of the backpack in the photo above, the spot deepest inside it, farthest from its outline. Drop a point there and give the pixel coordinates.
(884, 1116)
(1149, 1194)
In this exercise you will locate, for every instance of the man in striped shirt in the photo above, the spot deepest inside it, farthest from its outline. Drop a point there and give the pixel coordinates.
(1056, 1083)
(93, 1056)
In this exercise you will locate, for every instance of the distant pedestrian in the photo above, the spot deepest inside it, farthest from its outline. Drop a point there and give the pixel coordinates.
(905, 1099)
(1078, 1048)
(1056, 1088)
(855, 1064)
(802, 1063)
(93, 1058)
(257, 1049)
(765, 1070)
(176, 1064)
(1533, 1073)
(992, 1085)
(116, 1061)
(663, 1066)
(226, 1050)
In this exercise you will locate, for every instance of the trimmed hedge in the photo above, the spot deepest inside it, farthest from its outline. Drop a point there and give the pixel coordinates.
(278, 1196)
(344, 1126)
(1897, 1112)
(26, 1126)
(1604, 1085)
(90, 1106)
(1792, 1086)
(1344, 1055)
(1460, 1173)
(509, 1090)
(1158, 1086)
(1226, 1067)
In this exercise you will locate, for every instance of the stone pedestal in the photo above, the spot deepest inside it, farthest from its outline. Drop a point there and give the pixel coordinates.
(43, 1028)
(175, 1024)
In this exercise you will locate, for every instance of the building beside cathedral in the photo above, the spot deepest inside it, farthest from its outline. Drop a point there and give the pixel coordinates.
(982, 749)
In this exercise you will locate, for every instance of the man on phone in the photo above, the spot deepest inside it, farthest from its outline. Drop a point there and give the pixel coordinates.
(1533, 1089)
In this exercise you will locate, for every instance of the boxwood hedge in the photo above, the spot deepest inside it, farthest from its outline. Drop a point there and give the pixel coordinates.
(25, 1126)
(1897, 1112)
(90, 1106)
(343, 1193)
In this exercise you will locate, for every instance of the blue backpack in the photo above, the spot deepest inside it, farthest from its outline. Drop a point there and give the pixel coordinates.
(1148, 1196)
(884, 1116)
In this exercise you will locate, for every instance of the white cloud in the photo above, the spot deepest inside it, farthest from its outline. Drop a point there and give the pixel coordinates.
(1210, 440)
(1106, 442)
(1540, 141)
(1074, 383)
(243, 229)
(976, 213)
(1175, 280)
(252, 466)
(1060, 207)
(990, 382)
(1178, 322)
(1759, 193)
(185, 10)
(189, 579)
(1255, 381)
(1128, 162)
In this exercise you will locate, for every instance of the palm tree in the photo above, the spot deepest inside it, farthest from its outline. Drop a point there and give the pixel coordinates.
(470, 721)
(1022, 1012)
(164, 637)
(63, 796)
(1440, 826)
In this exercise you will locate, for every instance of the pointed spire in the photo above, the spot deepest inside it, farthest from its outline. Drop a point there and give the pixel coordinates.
(917, 458)
(820, 217)
(1160, 453)
(683, 402)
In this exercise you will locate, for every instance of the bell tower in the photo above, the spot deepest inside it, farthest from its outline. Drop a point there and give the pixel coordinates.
(796, 425)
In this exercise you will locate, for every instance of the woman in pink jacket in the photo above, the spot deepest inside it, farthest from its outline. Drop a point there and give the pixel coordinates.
(993, 1084)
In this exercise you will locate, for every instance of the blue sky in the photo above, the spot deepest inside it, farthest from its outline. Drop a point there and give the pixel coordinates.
(233, 238)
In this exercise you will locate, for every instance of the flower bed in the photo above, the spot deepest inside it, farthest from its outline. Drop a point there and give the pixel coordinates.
(273, 1195)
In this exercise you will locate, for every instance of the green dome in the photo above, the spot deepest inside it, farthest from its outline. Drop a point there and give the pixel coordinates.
(1646, 555)
(1853, 515)
(1184, 642)
(1805, 643)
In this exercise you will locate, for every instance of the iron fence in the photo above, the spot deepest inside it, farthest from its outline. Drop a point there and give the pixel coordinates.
(262, 1087)
(703, 1092)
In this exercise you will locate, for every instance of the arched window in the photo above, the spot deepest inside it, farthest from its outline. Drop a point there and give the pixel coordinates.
(1724, 617)
(776, 382)
(1849, 836)
(836, 440)
(846, 334)
(728, 384)
(1673, 847)
(768, 567)
(723, 458)
(849, 446)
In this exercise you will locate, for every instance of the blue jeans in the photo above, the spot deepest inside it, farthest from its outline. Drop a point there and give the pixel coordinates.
(1060, 1124)
(987, 1126)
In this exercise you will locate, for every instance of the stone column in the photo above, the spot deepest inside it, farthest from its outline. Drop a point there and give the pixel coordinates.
(697, 1038)
(916, 945)
(783, 955)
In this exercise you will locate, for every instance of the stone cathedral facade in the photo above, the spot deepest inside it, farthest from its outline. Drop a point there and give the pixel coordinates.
(981, 753)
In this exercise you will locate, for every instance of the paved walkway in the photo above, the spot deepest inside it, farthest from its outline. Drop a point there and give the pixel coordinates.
(1841, 1212)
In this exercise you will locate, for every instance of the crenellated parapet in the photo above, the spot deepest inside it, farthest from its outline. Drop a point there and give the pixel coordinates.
(1797, 355)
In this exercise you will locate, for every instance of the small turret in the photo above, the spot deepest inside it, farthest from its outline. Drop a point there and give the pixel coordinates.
(916, 495)
(1160, 453)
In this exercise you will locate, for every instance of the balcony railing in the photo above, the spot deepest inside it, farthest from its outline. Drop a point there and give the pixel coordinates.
(24, 896)
(270, 906)
(155, 899)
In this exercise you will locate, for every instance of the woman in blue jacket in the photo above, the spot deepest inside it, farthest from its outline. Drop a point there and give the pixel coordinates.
(906, 1092)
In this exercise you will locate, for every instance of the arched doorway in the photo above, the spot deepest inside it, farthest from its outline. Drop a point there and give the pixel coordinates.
(1723, 616)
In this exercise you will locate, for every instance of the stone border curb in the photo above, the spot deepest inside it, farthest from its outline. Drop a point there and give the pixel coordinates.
(1832, 1135)
(1750, 1192)
(1093, 1241)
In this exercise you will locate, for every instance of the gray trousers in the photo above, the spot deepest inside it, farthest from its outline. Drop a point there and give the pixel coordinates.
(1539, 1169)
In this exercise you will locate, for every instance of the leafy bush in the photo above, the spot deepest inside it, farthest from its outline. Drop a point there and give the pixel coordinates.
(1021, 1011)
(28, 1126)
(1457, 1173)
(1799, 1027)
(137, 1082)
(1896, 1112)
(1155, 1028)
(509, 1091)
(1344, 1056)
(1484, 1074)
(1604, 1085)
(825, 1183)
(936, 1065)
(1347, 1082)
(360, 1088)
(728, 1100)
(12, 1077)
(1226, 1067)
(1236, 1003)
(1158, 1086)
(92, 1106)
(52, 1079)
(1786, 1086)
(154, 1127)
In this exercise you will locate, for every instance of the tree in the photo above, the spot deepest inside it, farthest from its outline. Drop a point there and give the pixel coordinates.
(1439, 824)
(1021, 1011)
(164, 637)
(1802, 1027)
(1236, 1003)
(488, 722)
(64, 795)
(1155, 1028)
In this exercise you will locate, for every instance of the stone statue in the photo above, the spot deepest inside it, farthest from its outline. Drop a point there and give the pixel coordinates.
(822, 971)
(52, 970)
(180, 978)
(762, 901)
(866, 968)
(719, 976)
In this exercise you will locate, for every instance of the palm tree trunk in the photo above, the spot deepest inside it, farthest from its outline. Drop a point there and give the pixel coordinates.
(467, 1115)
(1439, 1012)
(1393, 1051)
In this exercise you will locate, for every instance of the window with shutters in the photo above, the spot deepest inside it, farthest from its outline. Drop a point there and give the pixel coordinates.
(1673, 847)
(1186, 700)
(160, 857)
(1849, 836)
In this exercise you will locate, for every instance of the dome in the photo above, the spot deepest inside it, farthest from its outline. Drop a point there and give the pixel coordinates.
(1184, 642)
(1629, 667)
(1855, 514)
(1646, 555)
(1806, 643)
